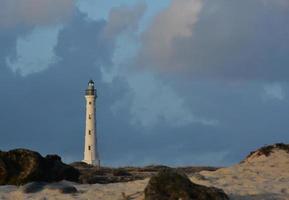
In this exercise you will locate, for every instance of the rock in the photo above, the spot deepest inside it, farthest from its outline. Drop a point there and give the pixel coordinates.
(90, 174)
(59, 171)
(154, 168)
(121, 172)
(170, 184)
(81, 165)
(33, 187)
(68, 190)
(21, 166)
(62, 187)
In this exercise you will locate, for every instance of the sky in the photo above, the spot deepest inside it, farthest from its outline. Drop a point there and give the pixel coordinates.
(179, 82)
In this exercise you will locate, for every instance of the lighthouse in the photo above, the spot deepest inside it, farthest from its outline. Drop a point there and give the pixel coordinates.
(90, 147)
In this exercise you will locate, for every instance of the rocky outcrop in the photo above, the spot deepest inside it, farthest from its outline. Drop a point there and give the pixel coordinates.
(61, 187)
(90, 174)
(170, 184)
(21, 166)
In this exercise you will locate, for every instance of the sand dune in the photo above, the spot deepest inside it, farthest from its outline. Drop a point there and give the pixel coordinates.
(258, 177)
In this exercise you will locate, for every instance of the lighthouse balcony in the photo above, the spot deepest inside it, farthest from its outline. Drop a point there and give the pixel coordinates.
(90, 92)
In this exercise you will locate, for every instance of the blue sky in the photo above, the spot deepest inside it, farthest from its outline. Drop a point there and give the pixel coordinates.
(180, 82)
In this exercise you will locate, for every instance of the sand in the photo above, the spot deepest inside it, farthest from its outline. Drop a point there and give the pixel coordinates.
(257, 178)
(114, 191)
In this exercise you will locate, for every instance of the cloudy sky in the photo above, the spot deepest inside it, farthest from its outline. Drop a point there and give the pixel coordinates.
(180, 82)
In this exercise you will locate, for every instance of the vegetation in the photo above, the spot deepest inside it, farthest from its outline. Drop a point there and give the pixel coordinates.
(267, 150)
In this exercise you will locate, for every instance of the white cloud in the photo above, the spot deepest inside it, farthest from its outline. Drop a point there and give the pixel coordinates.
(35, 51)
(154, 103)
(151, 102)
(176, 21)
(217, 39)
(274, 91)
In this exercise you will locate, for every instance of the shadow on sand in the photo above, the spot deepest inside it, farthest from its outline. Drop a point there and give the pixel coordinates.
(269, 196)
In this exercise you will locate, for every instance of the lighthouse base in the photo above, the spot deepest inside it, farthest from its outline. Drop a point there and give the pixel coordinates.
(95, 163)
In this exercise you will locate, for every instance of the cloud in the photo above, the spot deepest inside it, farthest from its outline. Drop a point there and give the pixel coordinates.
(218, 40)
(34, 12)
(274, 91)
(45, 39)
(282, 3)
(124, 18)
(174, 22)
(154, 102)
(166, 105)
(27, 61)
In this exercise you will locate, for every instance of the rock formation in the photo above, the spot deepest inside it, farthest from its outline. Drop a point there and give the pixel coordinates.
(21, 166)
(170, 184)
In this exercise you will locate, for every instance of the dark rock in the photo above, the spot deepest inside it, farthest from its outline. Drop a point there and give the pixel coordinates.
(86, 179)
(90, 174)
(21, 166)
(53, 157)
(59, 171)
(68, 190)
(81, 165)
(121, 172)
(170, 184)
(154, 168)
(62, 187)
(33, 187)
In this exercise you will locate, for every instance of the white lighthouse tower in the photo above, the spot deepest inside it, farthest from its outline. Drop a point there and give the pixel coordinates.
(90, 147)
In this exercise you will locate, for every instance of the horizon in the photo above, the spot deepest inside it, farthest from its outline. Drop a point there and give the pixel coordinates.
(179, 82)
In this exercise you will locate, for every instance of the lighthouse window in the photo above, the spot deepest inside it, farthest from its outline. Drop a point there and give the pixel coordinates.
(89, 132)
(89, 116)
(89, 103)
(88, 147)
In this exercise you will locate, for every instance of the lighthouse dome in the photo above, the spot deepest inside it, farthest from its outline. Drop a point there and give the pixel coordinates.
(91, 83)
(90, 88)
